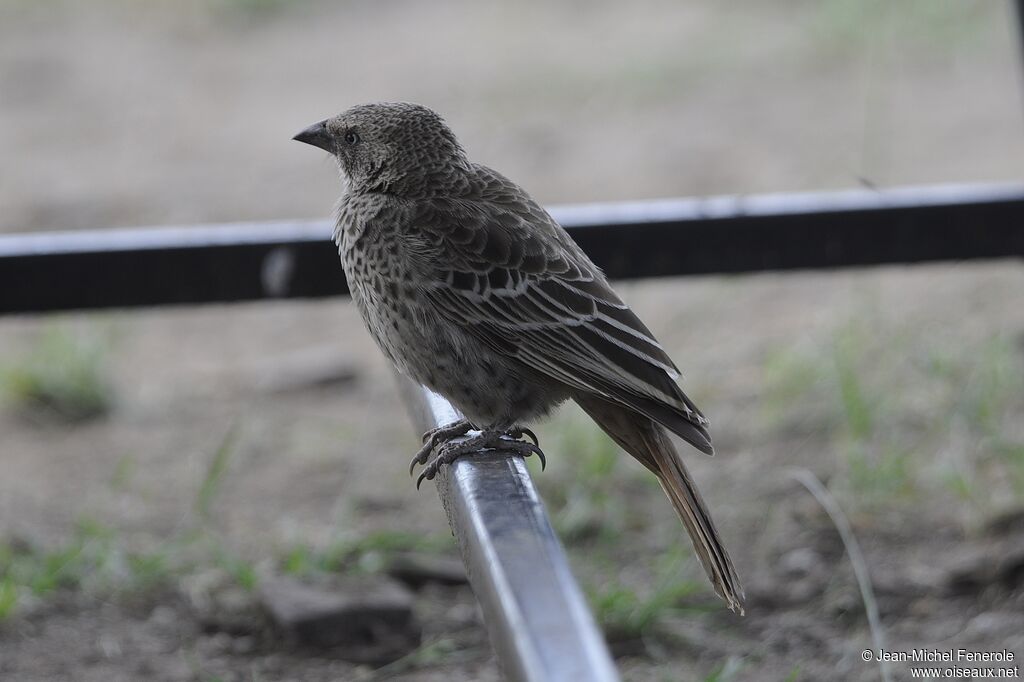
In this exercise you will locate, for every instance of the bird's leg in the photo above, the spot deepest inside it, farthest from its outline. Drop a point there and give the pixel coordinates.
(434, 437)
(490, 439)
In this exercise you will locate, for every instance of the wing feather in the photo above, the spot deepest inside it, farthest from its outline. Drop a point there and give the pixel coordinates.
(502, 268)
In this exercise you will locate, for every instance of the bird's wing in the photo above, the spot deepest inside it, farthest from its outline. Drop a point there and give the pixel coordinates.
(498, 265)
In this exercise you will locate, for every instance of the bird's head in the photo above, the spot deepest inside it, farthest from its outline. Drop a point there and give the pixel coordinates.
(394, 147)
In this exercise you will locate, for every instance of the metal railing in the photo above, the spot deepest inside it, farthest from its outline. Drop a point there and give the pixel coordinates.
(48, 271)
(535, 614)
(538, 621)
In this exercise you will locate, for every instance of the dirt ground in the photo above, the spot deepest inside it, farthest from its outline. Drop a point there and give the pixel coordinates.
(251, 441)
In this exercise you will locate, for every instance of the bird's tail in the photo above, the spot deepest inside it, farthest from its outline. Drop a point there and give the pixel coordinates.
(648, 442)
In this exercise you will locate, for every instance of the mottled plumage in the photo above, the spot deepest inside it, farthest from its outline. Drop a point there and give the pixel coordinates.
(472, 289)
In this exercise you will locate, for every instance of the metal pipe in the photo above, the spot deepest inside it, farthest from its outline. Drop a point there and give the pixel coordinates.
(536, 616)
(51, 271)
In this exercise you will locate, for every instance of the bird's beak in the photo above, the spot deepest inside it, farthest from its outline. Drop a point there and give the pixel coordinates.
(317, 136)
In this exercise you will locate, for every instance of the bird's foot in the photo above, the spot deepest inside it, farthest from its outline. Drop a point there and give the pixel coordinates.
(504, 441)
(517, 433)
(434, 437)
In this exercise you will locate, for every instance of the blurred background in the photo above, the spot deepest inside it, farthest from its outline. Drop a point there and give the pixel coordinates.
(164, 473)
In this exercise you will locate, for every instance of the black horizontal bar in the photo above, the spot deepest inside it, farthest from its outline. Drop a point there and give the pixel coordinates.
(219, 263)
(158, 266)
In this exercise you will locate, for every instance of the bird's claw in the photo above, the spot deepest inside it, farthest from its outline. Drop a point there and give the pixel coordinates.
(507, 441)
(517, 432)
(523, 448)
(448, 453)
(426, 474)
(421, 457)
(434, 437)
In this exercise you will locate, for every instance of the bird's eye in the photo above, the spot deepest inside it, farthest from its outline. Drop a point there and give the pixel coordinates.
(351, 137)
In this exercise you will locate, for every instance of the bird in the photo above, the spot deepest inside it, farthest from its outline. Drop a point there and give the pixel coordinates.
(472, 289)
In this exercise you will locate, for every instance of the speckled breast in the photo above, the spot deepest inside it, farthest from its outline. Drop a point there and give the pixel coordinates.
(420, 341)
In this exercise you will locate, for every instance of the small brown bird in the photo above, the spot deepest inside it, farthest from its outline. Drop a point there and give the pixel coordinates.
(473, 290)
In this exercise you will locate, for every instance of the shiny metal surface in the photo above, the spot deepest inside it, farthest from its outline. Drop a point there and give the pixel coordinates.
(536, 616)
